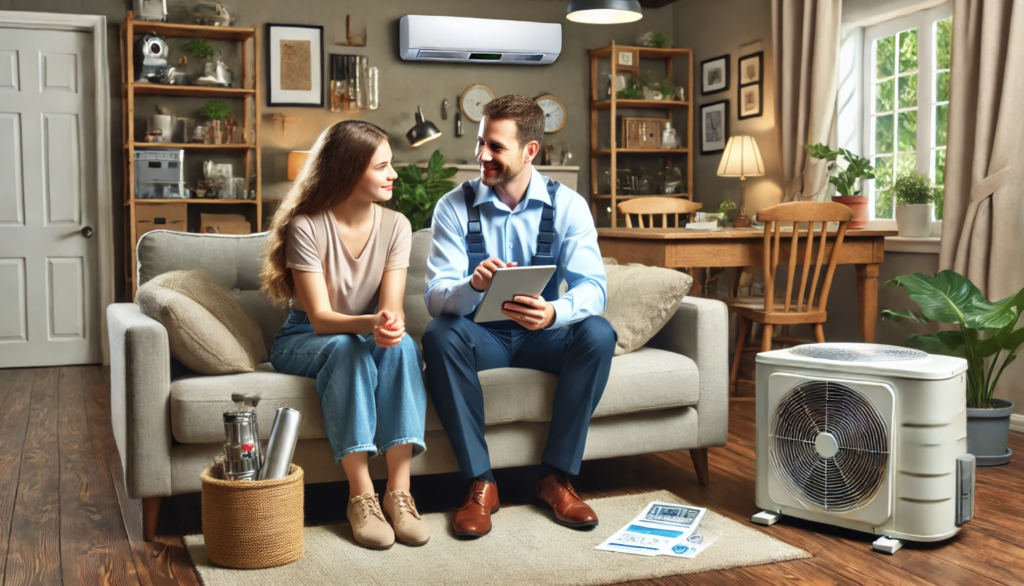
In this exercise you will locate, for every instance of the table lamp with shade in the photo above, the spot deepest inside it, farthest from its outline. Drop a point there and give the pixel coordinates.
(296, 159)
(741, 159)
(423, 132)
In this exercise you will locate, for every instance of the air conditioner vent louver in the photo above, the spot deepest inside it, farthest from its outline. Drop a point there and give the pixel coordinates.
(858, 352)
(829, 446)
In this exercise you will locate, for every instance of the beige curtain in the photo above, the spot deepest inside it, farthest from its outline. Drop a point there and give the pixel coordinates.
(805, 39)
(983, 213)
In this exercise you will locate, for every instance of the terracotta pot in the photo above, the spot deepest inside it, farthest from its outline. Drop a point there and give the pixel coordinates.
(859, 205)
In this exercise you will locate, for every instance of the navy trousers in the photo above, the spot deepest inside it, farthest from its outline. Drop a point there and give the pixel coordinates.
(455, 349)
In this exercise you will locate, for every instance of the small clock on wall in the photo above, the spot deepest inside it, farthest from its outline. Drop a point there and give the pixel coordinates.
(554, 113)
(473, 101)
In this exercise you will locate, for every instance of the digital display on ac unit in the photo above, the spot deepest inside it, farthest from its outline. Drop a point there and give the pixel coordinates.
(486, 56)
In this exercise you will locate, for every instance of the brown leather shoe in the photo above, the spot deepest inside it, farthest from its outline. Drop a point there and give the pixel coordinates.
(555, 492)
(473, 518)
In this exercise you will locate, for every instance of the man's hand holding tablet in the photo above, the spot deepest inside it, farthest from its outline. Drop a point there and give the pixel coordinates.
(529, 310)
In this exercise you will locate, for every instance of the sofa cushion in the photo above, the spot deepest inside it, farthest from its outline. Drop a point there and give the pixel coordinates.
(641, 300)
(206, 328)
(645, 380)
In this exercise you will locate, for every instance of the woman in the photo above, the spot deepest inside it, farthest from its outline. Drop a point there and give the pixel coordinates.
(341, 260)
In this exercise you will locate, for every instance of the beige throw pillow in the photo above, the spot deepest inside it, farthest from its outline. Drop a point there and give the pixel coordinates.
(206, 328)
(641, 300)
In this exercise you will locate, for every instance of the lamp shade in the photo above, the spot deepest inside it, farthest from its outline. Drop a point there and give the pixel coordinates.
(423, 132)
(604, 11)
(741, 158)
(296, 159)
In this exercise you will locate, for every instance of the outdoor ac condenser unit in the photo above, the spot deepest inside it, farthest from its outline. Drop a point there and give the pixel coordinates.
(478, 40)
(867, 437)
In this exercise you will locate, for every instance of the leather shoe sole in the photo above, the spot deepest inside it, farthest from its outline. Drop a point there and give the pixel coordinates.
(473, 534)
(584, 525)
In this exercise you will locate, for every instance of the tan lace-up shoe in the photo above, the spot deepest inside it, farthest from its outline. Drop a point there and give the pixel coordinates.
(368, 524)
(410, 528)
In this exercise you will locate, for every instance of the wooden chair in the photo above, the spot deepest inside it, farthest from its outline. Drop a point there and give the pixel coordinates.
(800, 248)
(653, 206)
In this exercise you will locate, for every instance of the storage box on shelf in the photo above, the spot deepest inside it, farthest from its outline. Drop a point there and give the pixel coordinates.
(145, 214)
(615, 105)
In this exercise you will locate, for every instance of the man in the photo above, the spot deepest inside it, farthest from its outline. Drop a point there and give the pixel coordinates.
(512, 216)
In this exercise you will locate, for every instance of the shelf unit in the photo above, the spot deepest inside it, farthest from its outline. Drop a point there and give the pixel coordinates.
(614, 105)
(250, 149)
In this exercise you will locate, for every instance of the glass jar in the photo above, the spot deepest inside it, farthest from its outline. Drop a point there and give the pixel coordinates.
(372, 97)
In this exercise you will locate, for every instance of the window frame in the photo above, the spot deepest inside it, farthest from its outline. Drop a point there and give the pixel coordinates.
(923, 21)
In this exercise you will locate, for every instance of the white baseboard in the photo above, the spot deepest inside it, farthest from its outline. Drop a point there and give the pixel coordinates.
(1017, 422)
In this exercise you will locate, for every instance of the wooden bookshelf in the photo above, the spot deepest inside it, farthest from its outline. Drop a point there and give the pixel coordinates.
(249, 149)
(614, 106)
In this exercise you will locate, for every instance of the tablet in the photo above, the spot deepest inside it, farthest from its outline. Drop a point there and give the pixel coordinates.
(506, 284)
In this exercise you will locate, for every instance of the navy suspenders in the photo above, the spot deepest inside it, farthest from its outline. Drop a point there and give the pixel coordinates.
(476, 248)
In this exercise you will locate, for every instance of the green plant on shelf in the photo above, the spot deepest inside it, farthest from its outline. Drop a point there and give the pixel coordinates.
(415, 195)
(986, 337)
(913, 189)
(725, 207)
(659, 41)
(846, 180)
(215, 110)
(200, 48)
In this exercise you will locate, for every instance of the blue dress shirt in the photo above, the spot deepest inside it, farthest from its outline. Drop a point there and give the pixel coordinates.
(511, 235)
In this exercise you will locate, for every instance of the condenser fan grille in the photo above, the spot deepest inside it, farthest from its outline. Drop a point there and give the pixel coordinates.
(829, 446)
(858, 352)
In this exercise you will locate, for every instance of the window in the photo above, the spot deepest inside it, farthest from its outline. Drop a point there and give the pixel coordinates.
(906, 102)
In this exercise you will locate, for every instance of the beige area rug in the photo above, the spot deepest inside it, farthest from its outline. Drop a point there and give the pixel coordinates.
(524, 547)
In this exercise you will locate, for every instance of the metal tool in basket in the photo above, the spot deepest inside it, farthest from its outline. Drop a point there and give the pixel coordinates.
(243, 456)
(281, 447)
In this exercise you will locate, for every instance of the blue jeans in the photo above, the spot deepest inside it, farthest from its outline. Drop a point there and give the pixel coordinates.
(372, 398)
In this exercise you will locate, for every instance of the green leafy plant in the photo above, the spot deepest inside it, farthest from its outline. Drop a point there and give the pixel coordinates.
(415, 195)
(215, 110)
(200, 48)
(913, 188)
(726, 206)
(631, 92)
(845, 180)
(986, 338)
(659, 40)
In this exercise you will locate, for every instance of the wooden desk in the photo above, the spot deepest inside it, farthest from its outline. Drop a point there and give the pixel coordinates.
(743, 247)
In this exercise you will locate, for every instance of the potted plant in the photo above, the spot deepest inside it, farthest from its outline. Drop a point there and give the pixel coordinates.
(846, 181)
(914, 208)
(726, 206)
(216, 112)
(987, 337)
(415, 195)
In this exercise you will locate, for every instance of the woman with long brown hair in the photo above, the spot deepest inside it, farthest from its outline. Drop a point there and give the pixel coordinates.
(340, 260)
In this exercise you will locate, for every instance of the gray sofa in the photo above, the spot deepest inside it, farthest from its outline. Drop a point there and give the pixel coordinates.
(670, 395)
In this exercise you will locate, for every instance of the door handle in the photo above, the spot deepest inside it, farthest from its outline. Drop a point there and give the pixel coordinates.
(87, 232)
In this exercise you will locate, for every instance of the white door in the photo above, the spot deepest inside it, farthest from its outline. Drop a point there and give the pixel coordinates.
(49, 298)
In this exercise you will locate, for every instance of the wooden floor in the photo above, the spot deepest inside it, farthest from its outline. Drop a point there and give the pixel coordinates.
(65, 517)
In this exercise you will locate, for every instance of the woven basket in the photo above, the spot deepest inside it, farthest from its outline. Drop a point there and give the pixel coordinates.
(253, 524)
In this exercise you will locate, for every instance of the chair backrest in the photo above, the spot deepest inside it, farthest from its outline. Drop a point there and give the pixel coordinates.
(789, 216)
(653, 206)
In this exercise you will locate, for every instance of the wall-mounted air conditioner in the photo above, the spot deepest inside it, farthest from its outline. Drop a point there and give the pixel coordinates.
(478, 40)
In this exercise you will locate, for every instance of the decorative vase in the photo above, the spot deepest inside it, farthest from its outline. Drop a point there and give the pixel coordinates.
(988, 431)
(858, 204)
(915, 220)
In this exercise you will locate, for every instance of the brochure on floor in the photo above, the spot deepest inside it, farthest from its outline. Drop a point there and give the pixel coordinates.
(661, 529)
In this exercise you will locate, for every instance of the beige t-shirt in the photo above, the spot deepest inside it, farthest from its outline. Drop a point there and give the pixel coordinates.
(353, 278)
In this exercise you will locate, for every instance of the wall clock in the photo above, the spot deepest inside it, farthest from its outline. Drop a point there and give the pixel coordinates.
(473, 101)
(554, 113)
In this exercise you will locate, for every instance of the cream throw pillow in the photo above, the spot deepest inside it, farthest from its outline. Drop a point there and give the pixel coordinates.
(206, 327)
(641, 300)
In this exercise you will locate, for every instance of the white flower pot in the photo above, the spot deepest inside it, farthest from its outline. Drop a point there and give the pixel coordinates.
(915, 220)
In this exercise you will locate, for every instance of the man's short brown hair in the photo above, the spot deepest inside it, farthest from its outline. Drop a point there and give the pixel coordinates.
(526, 113)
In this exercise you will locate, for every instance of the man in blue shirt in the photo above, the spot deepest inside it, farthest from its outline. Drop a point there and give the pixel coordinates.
(512, 216)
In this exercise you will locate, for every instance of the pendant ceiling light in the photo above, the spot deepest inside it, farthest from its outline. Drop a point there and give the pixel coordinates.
(604, 11)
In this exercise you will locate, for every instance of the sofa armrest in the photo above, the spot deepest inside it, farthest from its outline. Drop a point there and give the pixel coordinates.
(140, 391)
(700, 331)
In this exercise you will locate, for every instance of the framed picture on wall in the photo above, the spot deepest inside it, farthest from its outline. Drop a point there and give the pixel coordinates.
(714, 75)
(750, 100)
(752, 68)
(714, 127)
(295, 54)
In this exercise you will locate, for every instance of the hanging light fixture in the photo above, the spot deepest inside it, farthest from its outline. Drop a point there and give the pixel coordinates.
(604, 11)
(424, 131)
